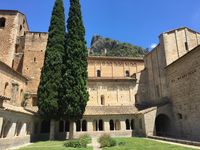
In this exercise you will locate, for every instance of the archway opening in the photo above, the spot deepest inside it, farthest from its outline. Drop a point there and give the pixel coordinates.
(78, 125)
(101, 127)
(127, 124)
(84, 125)
(162, 124)
(111, 125)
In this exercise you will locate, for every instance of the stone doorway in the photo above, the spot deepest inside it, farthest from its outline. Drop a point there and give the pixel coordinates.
(162, 124)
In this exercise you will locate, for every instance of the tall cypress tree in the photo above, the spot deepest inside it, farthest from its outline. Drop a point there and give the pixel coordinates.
(51, 76)
(75, 95)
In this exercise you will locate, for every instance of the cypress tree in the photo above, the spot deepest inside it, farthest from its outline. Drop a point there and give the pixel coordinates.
(51, 76)
(75, 95)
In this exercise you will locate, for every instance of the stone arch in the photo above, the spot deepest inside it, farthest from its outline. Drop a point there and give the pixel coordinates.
(78, 125)
(112, 127)
(162, 125)
(127, 124)
(84, 125)
(2, 22)
(117, 125)
(127, 73)
(5, 89)
(101, 125)
(95, 124)
(98, 73)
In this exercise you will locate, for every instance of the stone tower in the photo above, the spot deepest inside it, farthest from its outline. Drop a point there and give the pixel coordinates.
(13, 26)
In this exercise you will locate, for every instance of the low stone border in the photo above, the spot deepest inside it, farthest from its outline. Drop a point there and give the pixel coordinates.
(194, 143)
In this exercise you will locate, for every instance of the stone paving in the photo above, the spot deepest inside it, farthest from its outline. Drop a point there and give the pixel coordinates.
(95, 144)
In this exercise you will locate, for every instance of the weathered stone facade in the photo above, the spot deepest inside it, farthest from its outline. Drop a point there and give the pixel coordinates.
(183, 79)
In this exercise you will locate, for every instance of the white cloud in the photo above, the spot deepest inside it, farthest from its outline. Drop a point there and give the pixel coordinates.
(153, 45)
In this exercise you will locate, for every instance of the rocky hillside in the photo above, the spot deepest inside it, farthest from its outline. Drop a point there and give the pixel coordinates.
(107, 47)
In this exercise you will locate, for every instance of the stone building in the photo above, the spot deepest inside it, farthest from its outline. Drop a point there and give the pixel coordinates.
(157, 95)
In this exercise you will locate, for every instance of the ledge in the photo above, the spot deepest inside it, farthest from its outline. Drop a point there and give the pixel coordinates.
(113, 79)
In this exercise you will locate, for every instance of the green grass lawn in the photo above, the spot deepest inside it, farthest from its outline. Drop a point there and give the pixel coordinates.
(55, 145)
(143, 144)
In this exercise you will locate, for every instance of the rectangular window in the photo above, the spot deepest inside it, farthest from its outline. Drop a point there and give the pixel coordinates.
(186, 46)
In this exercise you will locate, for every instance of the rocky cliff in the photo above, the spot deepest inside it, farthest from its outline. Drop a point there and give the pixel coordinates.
(107, 47)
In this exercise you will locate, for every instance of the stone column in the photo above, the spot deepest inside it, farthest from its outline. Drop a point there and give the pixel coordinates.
(123, 125)
(90, 126)
(23, 130)
(11, 131)
(106, 126)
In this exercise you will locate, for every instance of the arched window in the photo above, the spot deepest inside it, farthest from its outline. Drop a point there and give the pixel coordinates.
(95, 125)
(45, 126)
(5, 89)
(102, 100)
(67, 125)
(78, 125)
(84, 125)
(2, 22)
(21, 95)
(61, 126)
(117, 125)
(111, 125)
(132, 124)
(127, 73)
(101, 125)
(34, 59)
(127, 124)
(98, 73)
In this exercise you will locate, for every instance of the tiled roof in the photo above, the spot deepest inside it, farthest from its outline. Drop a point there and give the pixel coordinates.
(110, 110)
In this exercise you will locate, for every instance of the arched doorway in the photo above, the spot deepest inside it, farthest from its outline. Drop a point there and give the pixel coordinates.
(101, 125)
(111, 125)
(162, 124)
(84, 125)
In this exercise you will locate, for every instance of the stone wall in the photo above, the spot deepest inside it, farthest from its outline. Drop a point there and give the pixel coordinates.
(114, 93)
(172, 46)
(13, 84)
(183, 79)
(35, 46)
(15, 26)
(114, 67)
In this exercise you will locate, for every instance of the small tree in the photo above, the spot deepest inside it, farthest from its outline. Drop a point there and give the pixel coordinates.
(51, 76)
(75, 95)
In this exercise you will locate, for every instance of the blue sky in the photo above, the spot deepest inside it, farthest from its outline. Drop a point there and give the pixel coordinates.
(138, 22)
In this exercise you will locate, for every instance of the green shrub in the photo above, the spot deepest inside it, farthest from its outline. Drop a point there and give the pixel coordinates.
(121, 143)
(73, 143)
(106, 141)
(84, 140)
(79, 143)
